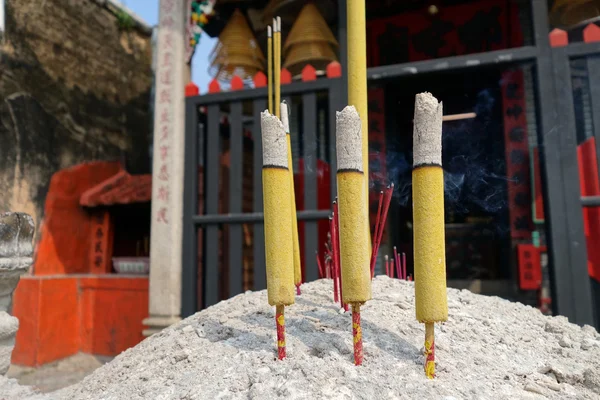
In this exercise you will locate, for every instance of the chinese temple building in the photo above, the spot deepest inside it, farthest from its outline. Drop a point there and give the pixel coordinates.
(503, 65)
(519, 80)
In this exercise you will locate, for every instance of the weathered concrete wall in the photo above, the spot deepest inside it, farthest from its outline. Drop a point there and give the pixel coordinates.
(74, 86)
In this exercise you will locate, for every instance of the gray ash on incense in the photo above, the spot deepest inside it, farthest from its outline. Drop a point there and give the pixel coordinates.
(285, 118)
(427, 137)
(349, 140)
(274, 141)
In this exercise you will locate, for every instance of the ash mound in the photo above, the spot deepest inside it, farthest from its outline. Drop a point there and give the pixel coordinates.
(489, 348)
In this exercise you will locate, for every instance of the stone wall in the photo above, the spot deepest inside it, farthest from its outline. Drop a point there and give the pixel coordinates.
(75, 86)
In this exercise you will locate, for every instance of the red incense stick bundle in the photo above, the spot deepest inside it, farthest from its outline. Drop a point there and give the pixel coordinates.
(382, 219)
(376, 235)
(404, 265)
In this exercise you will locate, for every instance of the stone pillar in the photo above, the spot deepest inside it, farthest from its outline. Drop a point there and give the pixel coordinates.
(167, 168)
(16, 249)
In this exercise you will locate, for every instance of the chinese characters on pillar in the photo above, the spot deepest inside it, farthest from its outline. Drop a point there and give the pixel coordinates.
(165, 82)
(517, 155)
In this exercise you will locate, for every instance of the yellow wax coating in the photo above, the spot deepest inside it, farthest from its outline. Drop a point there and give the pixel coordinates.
(278, 236)
(296, 240)
(357, 79)
(429, 244)
(270, 71)
(355, 254)
(277, 66)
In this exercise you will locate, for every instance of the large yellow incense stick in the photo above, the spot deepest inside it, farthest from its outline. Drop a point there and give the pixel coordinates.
(277, 64)
(285, 120)
(278, 221)
(355, 254)
(357, 77)
(428, 222)
(270, 68)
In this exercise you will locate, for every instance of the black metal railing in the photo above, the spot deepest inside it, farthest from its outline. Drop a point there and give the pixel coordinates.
(203, 148)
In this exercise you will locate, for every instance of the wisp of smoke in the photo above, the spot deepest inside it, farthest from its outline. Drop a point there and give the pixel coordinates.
(473, 164)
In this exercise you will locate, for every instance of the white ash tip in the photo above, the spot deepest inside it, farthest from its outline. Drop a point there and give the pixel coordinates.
(427, 136)
(274, 141)
(269, 34)
(285, 119)
(349, 140)
(426, 102)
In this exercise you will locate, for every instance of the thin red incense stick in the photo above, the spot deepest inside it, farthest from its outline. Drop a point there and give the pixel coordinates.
(397, 263)
(392, 263)
(336, 247)
(387, 265)
(321, 271)
(376, 235)
(410, 278)
(386, 205)
(404, 265)
(399, 267)
(328, 255)
(333, 261)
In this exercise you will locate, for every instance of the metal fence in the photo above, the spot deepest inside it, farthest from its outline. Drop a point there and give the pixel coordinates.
(572, 291)
(203, 147)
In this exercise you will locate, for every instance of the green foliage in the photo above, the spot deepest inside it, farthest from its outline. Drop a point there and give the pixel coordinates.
(124, 20)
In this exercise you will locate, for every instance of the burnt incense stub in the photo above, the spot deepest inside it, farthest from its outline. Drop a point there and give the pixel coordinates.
(349, 140)
(427, 146)
(274, 142)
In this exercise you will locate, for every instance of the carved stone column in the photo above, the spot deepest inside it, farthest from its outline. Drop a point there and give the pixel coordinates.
(167, 168)
(16, 250)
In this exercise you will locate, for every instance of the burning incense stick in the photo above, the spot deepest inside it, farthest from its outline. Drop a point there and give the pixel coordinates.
(392, 264)
(354, 229)
(428, 215)
(456, 117)
(404, 266)
(277, 64)
(270, 68)
(357, 82)
(277, 222)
